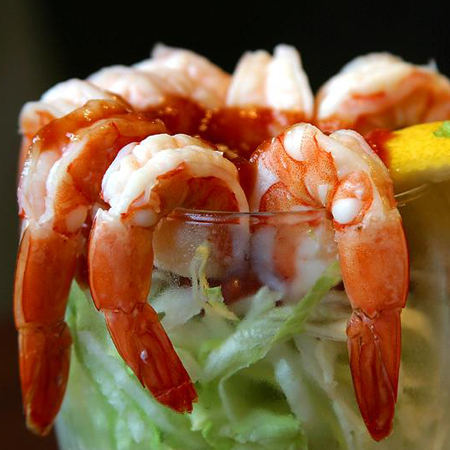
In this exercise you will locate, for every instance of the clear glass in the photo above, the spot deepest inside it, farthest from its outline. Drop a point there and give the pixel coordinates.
(226, 287)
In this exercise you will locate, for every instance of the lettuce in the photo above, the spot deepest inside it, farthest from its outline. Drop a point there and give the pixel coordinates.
(269, 376)
(135, 420)
(264, 326)
(241, 403)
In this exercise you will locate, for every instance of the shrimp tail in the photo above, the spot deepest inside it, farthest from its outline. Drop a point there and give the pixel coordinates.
(40, 298)
(145, 346)
(44, 371)
(120, 266)
(374, 345)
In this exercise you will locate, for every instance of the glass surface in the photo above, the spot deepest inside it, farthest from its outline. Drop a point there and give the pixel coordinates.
(271, 371)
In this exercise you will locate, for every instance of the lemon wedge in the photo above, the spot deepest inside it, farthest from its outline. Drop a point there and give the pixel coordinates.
(416, 155)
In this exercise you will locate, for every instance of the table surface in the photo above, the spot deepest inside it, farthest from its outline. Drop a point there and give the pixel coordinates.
(13, 432)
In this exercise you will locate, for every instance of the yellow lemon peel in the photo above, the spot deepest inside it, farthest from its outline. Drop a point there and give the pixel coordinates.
(418, 155)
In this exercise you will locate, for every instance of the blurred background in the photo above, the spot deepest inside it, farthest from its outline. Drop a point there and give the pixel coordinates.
(47, 41)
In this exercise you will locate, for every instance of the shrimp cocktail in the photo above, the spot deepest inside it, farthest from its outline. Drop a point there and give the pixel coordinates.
(215, 261)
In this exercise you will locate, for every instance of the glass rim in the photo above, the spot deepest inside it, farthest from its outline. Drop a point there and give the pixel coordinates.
(209, 216)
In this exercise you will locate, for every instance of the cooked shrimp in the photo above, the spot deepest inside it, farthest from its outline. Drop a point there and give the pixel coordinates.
(209, 82)
(266, 95)
(60, 183)
(307, 236)
(339, 174)
(277, 82)
(58, 101)
(175, 85)
(380, 90)
(143, 90)
(158, 97)
(145, 184)
(191, 95)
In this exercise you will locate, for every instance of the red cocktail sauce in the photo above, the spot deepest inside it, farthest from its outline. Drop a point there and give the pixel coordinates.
(377, 140)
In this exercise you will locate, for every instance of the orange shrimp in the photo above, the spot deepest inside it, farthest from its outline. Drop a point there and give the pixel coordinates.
(146, 183)
(60, 183)
(339, 174)
(266, 95)
(58, 101)
(175, 85)
(191, 95)
(208, 83)
(380, 90)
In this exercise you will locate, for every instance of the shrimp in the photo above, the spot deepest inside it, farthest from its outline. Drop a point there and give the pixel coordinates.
(266, 95)
(58, 101)
(303, 169)
(191, 95)
(209, 82)
(156, 96)
(175, 85)
(380, 90)
(60, 184)
(146, 183)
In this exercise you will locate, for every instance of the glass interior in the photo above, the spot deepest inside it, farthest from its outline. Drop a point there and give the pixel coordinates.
(254, 306)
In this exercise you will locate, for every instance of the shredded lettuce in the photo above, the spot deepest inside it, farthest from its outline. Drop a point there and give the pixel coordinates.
(262, 328)
(210, 298)
(241, 403)
(270, 376)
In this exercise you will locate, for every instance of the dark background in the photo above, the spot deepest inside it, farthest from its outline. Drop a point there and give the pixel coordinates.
(43, 42)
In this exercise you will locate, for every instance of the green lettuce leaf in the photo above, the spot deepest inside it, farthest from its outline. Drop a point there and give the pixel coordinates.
(134, 420)
(261, 328)
(242, 404)
(238, 378)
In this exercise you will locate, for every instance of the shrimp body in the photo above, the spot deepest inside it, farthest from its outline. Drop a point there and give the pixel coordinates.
(175, 85)
(380, 90)
(164, 95)
(58, 101)
(191, 95)
(302, 169)
(60, 183)
(209, 83)
(143, 90)
(266, 95)
(144, 185)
